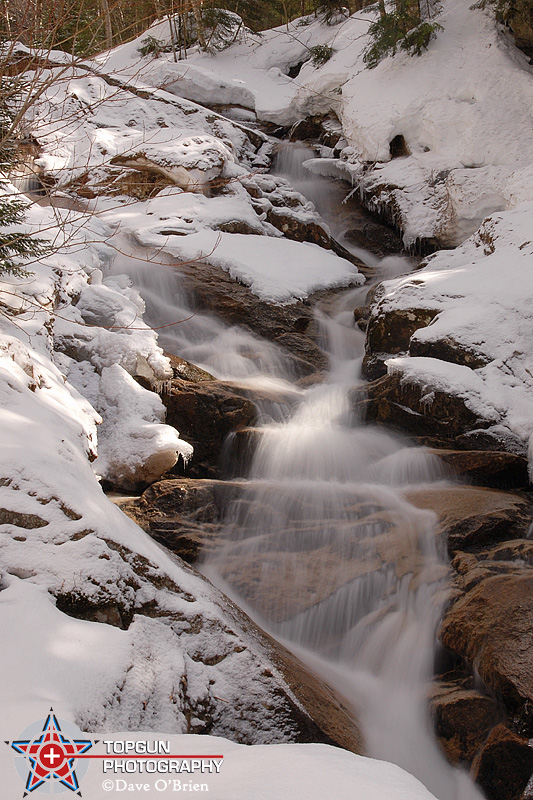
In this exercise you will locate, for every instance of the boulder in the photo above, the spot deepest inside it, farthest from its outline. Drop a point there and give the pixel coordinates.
(471, 517)
(205, 412)
(294, 227)
(438, 419)
(490, 626)
(215, 291)
(463, 718)
(486, 468)
(389, 334)
(504, 766)
(184, 514)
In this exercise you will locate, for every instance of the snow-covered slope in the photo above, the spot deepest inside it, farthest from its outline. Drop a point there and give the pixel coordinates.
(96, 617)
(463, 109)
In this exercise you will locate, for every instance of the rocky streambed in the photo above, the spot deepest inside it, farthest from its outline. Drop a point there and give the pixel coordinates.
(481, 693)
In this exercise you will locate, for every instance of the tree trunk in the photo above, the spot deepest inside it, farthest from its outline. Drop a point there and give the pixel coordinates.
(104, 5)
(197, 10)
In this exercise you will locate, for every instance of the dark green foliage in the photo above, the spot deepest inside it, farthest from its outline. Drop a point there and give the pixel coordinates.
(222, 27)
(399, 30)
(332, 10)
(13, 244)
(418, 38)
(150, 46)
(16, 244)
(320, 53)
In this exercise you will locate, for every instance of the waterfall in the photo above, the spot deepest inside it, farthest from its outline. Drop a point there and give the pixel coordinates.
(322, 546)
(326, 553)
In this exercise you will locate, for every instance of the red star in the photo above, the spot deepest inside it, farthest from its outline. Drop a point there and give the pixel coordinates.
(52, 755)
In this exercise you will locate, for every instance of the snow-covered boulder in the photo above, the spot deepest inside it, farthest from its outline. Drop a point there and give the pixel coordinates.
(190, 162)
(460, 331)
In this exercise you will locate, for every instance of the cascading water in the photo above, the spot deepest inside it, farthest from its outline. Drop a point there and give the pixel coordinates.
(324, 549)
(322, 546)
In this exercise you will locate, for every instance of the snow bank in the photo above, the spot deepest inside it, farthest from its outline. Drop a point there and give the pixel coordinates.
(276, 270)
(276, 772)
(75, 342)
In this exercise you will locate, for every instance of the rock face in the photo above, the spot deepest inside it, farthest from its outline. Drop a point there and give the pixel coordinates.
(469, 517)
(213, 413)
(463, 718)
(483, 705)
(184, 514)
(206, 412)
(485, 467)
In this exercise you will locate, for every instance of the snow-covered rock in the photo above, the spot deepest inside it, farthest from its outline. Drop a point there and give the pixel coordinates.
(463, 120)
(471, 329)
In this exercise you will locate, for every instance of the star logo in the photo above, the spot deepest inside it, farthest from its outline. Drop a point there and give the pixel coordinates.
(51, 756)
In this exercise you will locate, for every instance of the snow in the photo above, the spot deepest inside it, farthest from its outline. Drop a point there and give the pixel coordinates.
(67, 315)
(466, 118)
(276, 270)
(482, 293)
(275, 772)
(71, 410)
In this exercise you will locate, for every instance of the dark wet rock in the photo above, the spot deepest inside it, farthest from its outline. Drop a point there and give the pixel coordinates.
(389, 334)
(184, 514)
(294, 227)
(239, 451)
(472, 517)
(215, 291)
(504, 766)
(307, 129)
(463, 718)
(441, 418)
(486, 468)
(205, 412)
(374, 236)
(490, 626)
(325, 129)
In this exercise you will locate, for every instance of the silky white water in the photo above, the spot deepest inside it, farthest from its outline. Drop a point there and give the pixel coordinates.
(323, 547)
(326, 552)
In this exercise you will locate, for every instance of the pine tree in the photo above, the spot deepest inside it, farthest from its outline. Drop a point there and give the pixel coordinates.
(16, 246)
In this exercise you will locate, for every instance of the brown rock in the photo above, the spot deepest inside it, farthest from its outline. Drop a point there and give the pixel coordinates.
(504, 767)
(491, 627)
(390, 333)
(204, 413)
(405, 407)
(183, 514)
(187, 371)
(294, 227)
(463, 718)
(215, 291)
(488, 468)
(448, 349)
(470, 517)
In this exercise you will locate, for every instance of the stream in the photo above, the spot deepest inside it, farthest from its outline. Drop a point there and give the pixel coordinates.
(323, 549)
